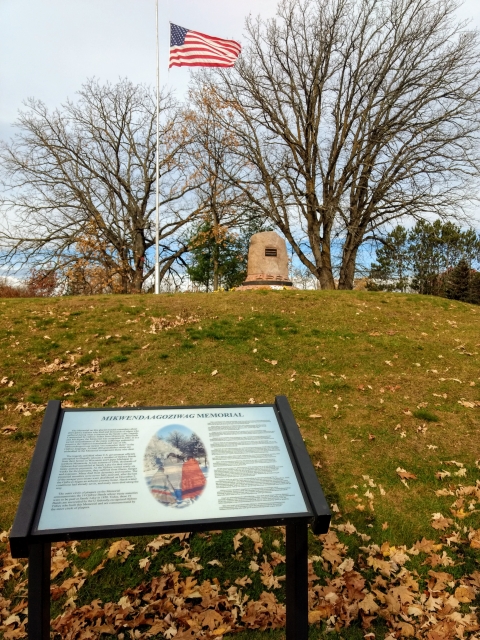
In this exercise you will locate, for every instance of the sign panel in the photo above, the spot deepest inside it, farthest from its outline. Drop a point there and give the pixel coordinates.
(120, 467)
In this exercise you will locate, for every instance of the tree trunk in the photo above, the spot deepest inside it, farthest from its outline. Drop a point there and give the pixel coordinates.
(325, 272)
(139, 261)
(321, 250)
(347, 271)
(351, 245)
(215, 234)
(137, 283)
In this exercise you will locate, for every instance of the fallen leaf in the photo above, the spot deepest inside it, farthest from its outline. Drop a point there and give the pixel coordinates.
(468, 404)
(464, 594)
(10, 428)
(144, 563)
(120, 548)
(405, 475)
(441, 523)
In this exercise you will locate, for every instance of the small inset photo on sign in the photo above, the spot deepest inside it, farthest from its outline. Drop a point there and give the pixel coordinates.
(176, 466)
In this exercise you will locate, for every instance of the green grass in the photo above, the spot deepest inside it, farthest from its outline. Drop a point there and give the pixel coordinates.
(423, 414)
(381, 369)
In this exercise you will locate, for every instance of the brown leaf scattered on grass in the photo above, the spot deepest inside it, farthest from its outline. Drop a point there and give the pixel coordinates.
(27, 408)
(165, 324)
(405, 475)
(144, 563)
(440, 523)
(59, 563)
(98, 567)
(474, 537)
(10, 428)
(121, 548)
(255, 537)
(208, 611)
(58, 365)
(236, 540)
(469, 404)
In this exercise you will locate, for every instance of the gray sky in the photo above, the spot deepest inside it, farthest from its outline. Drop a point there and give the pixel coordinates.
(48, 48)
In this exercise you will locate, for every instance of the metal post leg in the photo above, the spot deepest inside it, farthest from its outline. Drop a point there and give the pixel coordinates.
(297, 581)
(39, 591)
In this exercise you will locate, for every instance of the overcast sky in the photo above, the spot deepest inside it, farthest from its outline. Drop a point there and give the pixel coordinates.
(48, 48)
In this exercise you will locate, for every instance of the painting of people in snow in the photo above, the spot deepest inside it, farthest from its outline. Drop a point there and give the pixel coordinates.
(176, 466)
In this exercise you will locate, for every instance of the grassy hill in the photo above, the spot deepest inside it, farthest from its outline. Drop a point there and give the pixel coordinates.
(384, 387)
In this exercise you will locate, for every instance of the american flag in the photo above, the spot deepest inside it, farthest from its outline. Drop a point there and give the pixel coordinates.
(193, 49)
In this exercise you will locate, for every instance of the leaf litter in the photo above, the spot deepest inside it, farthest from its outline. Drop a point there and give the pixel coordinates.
(360, 582)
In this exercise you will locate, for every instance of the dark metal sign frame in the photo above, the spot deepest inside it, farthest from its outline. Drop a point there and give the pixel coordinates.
(27, 541)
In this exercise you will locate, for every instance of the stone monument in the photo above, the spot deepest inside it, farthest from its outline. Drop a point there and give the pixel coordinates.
(267, 265)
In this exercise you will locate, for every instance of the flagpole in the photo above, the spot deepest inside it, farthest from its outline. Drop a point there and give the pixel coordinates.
(157, 174)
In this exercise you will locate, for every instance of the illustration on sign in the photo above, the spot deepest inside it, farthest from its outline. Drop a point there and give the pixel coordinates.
(176, 466)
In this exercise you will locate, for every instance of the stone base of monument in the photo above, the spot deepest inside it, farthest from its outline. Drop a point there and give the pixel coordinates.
(265, 281)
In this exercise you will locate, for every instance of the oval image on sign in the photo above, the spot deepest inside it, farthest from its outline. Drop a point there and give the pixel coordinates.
(176, 466)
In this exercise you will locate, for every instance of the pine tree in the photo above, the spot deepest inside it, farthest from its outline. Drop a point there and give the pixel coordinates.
(474, 292)
(457, 286)
(391, 268)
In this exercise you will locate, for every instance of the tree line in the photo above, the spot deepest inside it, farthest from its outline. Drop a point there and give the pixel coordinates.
(340, 120)
(432, 258)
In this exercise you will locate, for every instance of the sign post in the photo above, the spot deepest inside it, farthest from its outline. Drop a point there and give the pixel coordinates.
(100, 473)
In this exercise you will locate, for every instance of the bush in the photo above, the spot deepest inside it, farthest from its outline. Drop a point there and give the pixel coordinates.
(8, 290)
(41, 283)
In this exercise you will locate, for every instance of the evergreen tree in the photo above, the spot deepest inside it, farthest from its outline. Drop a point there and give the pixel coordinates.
(474, 292)
(425, 254)
(392, 265)
(227, 249)
(433, 258)
(195, 448)
(457, 282)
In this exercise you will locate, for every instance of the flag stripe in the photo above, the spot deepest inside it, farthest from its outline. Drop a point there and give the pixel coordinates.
(195, 49)
(187, 48)
(222, 45)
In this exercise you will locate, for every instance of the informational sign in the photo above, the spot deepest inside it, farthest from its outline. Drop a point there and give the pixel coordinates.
(117, 467)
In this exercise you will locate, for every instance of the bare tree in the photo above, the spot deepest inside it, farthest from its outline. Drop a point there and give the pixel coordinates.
(80, 182)
(351, 114)
(225, 205)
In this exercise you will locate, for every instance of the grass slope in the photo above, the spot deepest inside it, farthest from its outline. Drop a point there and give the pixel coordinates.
(387, 373)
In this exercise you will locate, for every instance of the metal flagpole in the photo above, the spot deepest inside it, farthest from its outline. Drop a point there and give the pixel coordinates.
(157, 175)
